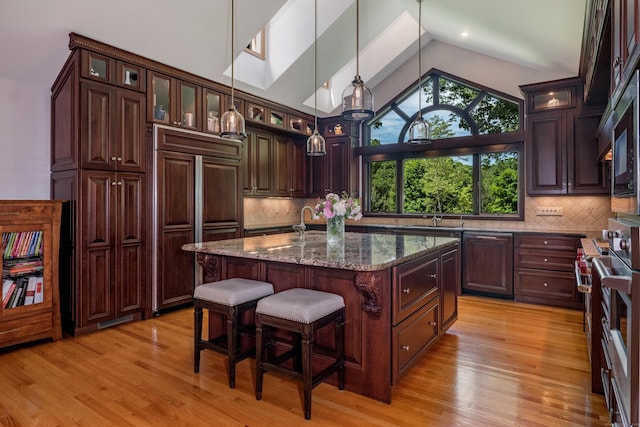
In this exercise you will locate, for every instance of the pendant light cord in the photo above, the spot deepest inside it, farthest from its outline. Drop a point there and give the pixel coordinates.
(232, 51)
(315, 64)
(419, 60)
(357, 37)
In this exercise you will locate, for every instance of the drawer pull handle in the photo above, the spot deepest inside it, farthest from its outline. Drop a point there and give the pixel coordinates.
(10, 331)
(405, 347)
(433, 276)
(407, 291)
(9, 213)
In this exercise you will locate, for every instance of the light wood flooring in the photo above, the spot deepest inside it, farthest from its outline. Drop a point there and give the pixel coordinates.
(501, 364)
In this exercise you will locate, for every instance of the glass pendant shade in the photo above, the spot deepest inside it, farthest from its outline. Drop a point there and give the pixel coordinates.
(419, 131)
(357, 101)
(232, 124)
(316, 145)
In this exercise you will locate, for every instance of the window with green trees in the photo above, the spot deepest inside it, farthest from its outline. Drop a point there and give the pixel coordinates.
(473, 166)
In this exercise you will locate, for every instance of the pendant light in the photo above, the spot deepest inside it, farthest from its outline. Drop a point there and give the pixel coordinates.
(315, 143)
(357, 99)
(419, 130)
(232, 122)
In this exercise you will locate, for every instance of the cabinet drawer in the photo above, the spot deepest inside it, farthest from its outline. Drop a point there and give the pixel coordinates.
(547, 260)
(415, 283)
(26, 328)
(412, 337)
(546, 287)
(547, 241)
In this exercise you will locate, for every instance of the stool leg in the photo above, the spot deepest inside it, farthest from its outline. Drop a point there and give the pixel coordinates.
(232, 344)
(197, 336)
(339, 334)
(307, 341)
(259, 354)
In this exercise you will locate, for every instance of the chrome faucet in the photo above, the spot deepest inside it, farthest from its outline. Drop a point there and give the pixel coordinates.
(435, 219)
(300, 228)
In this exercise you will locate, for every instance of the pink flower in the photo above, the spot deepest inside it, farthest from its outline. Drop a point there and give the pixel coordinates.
(328, 210)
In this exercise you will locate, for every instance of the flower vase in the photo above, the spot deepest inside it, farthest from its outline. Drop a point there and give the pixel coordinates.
(335, 231)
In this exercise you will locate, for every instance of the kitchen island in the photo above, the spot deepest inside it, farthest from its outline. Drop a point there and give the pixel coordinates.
(400, 292)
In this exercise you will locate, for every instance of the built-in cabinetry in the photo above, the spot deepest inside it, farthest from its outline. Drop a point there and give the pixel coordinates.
(562, 153)
(545, 269)
(337, 171)
(487, 263)
(105, 103)
(98, 164)
(197, 183)
(30, 233)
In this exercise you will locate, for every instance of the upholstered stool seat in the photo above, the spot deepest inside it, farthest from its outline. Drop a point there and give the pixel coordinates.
(231, 298)
(301, 311)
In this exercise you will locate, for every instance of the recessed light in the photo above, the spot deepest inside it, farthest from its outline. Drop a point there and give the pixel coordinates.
(464, 34)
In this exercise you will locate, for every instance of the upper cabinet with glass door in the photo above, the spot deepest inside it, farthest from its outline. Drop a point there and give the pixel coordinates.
(174, 102)
(108, 70)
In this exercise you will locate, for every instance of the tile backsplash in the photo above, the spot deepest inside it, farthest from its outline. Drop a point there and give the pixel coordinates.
(582, 214)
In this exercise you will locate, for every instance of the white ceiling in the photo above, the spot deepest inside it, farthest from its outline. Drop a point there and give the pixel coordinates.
(542, 37)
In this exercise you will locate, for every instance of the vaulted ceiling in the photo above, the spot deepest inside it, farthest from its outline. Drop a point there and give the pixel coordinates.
(525, 41)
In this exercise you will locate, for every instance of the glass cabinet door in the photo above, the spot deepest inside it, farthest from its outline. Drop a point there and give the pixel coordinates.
(97, 67)
(256, 113)
(131, 76)
(161, 88)
(188, 103)
(212, 108)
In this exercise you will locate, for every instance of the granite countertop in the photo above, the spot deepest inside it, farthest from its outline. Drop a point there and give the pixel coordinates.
(361, 251)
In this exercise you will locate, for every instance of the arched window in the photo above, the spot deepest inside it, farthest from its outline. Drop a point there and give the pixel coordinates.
(473, 167)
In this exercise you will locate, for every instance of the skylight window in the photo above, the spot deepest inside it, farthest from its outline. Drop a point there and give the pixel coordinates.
(256, 47)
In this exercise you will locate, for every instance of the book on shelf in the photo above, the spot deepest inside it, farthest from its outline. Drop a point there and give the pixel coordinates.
(6, 297)
(39, 296)
(31, 290)
(22, 244)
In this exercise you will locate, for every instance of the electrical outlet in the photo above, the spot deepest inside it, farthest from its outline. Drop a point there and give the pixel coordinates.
(549, 211)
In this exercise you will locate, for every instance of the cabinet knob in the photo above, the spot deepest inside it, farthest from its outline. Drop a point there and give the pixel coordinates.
(617, 61)
(545, 284)
(433, 276)
(113, 158)
(433, 323)
(113, 183)
(407, 291)
(405, 347)
(545, 260)
(119, 159)
(546, 243)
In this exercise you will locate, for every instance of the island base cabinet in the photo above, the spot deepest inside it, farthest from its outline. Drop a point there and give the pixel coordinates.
(392, 315)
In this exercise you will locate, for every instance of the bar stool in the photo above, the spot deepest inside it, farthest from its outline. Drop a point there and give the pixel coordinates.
(301, 311)
(231, 298)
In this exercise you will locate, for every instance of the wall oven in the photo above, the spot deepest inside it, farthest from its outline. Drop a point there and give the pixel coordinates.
(625, 187)
(619, 277)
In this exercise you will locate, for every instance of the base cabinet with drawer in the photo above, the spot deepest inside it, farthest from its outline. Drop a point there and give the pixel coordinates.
(544, 269)
(424, 305)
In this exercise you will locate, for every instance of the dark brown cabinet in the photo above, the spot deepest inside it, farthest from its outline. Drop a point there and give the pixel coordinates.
(562, 153)
(544, 270)
(449, 287)
(290, 166)
(197, 182)
(488, 263)
(259, 163)
(98, 164)
(332, 173)
(174, 102)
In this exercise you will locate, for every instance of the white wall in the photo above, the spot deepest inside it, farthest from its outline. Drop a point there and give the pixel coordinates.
(24, 140)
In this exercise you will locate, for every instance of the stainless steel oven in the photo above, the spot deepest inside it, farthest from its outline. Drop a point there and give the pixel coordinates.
(619, 276)
(625, 188)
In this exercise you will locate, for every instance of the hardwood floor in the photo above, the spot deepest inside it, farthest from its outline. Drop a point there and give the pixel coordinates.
(501, 364)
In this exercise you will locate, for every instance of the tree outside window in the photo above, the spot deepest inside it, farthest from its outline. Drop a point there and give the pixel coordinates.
(481, 178)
